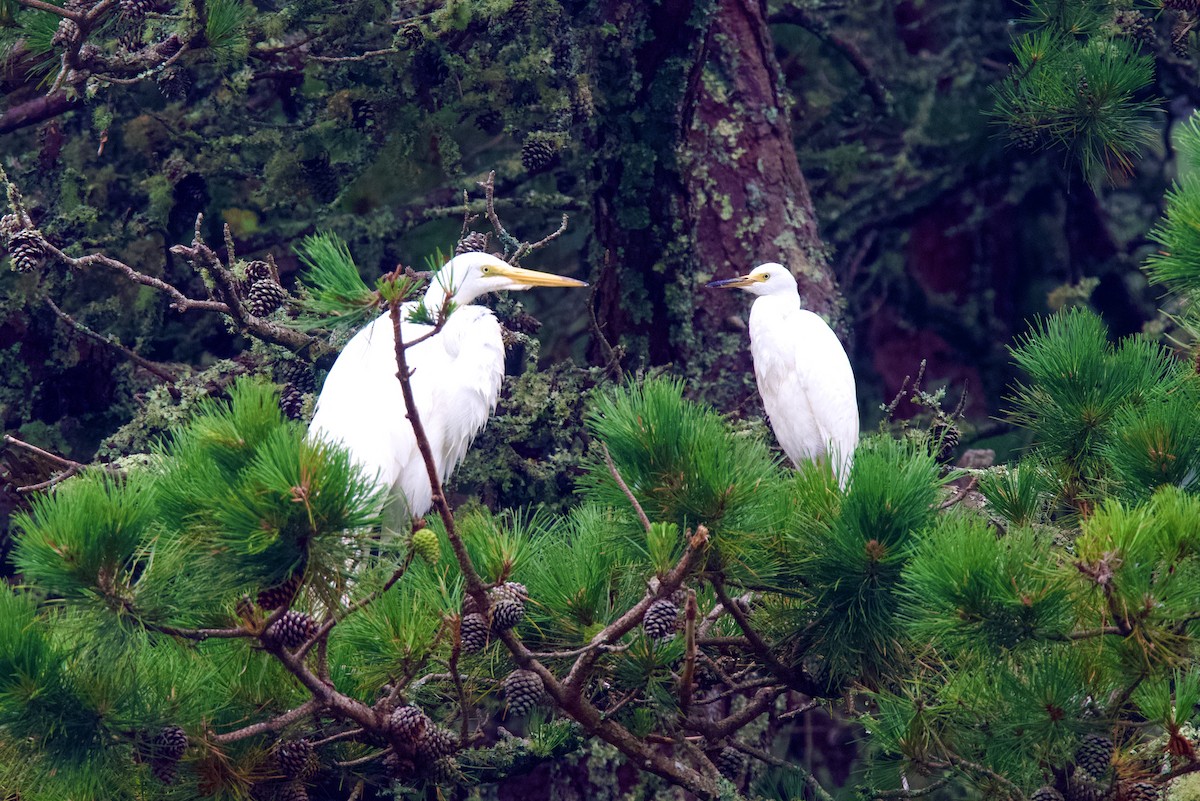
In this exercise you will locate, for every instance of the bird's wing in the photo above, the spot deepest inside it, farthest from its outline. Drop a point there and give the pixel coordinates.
(831, 390)
(361, 405)
(469, 384)
(806, 384)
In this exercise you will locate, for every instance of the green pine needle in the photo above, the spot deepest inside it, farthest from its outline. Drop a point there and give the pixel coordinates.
(83, 541)
(335, 294)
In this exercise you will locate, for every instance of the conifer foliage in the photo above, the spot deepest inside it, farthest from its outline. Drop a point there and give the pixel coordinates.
(1039, 643)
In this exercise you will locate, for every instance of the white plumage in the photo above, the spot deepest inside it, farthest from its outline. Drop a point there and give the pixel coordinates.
(456, 378)
(803, 373)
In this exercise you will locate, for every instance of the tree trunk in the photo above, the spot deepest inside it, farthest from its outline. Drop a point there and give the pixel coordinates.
(697, 178)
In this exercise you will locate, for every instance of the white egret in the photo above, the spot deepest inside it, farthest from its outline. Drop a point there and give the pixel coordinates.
(456, 377)
(803, 373)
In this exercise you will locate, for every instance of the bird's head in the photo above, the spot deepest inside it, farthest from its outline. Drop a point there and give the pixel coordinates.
(469, 275)
(765, 279)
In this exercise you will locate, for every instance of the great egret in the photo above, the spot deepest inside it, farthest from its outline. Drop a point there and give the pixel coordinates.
(456, 377)
(803, 373)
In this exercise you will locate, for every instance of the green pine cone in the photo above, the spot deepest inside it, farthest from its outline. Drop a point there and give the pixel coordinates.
(425, 544)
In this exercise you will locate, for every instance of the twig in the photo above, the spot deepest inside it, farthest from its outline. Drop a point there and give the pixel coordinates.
(960, 494)
(760, 704)
(50, 8)
(278, 723)
(687, 678)
(333, 738)
(770, 759)
(154, 368)
(48, 483)
(524, 249)
(387, 51)
(351, 763)
(792, 678)
(800, 710)
(611, 649)
(61, 461)
(507, 240)
(637, 507)
(456, 677)
(905, 793)
(357, 792)
(738, 689)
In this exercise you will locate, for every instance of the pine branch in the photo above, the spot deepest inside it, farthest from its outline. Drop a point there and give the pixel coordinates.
(793, 678)
(278, 723)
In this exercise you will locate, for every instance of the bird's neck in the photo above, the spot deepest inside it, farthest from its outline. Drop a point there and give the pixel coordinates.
(776, 303)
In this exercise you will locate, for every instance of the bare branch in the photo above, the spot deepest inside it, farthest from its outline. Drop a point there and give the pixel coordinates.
(525, 248)
(387, 51)
(61, 461)
(762, 756)
(637, 507)
(154, 368)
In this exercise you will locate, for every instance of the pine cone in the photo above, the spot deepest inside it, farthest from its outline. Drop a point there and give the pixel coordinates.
(659, 620)
(1139, 791)
(413, 35)
(165, 770)
(283, 593)
(66, 33)
(298, 373)
(293, 629)
(523, 689)
(1182, 5)
(1094, 755)
(134, 10)
(409, 723)
(265, 297)
(292, 791)
(428, 66)
(175, 83)
(25, 248)
(520, 13)
(1181, 31)
(291, 401)
(445, 771)
(473, 633)
(1046, 793)
(425, 544)
(1082, 787)
(582, 104)
(170, 743)
(731, 762)
(1135, 25)
(944, 437)
(469, 605)
(538, 152)
(10, 224)
(507, 605)
(256, 271)
(437, 742)
(296, 759)
(321, 178)
(474, 242)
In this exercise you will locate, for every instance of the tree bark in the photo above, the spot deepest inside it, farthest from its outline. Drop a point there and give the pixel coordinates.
(697, 178)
